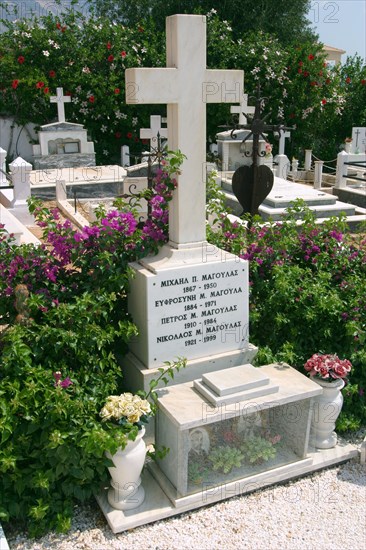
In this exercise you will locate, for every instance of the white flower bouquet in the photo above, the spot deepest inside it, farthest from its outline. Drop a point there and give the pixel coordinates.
(126, 409)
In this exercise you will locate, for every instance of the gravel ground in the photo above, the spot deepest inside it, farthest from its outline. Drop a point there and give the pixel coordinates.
(323, 511)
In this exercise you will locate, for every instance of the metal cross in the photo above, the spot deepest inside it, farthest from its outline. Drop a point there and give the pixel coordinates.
(251, 184)
(155, 155)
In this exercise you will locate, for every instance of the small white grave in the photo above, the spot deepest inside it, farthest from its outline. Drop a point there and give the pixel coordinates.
(63, 144)
(285, 192)
(262, 416)
(268, 437)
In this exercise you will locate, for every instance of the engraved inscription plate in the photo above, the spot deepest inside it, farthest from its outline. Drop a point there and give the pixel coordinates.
(194, 311)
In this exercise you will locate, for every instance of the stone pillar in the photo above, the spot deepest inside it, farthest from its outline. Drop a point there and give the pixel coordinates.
(318, 173)
(20, 174)
(341, 173)
(308, 154)
(225, 157)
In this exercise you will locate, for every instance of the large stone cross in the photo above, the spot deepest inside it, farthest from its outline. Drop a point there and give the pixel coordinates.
(155, 128)
(186, 85)
(242, 110)
(60, 99)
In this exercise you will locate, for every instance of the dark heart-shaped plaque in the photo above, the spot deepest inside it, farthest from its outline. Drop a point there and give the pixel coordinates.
(251, 185)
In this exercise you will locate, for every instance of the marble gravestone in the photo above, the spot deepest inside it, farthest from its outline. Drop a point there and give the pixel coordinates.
(233, 152)
(190, 300)
(63, 144)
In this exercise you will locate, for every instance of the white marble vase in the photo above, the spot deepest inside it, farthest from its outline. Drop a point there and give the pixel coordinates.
(126, 491)
(327, 408)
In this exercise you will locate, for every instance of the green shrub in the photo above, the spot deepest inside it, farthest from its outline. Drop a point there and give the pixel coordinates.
(307, 294)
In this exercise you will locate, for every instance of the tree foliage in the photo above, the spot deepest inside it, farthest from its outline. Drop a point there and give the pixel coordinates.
(88, 57)
(285, 20)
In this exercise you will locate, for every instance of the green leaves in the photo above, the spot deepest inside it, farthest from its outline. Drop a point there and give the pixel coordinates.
(51, 437)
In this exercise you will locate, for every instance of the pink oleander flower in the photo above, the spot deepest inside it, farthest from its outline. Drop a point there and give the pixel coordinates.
(327, 366)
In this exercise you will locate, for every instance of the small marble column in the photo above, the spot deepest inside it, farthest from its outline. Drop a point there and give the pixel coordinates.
(308, 154)
(341, 173)
(318, 173)
(20, 174)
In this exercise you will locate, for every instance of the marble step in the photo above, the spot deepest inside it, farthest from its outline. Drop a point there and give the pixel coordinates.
(320, 210)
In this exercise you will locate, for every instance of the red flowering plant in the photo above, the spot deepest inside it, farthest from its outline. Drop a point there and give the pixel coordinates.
(327, 367)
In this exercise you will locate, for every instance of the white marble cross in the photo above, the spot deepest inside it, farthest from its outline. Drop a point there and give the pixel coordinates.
(155, 129)
(186, 85)
(281, 146)
(242, 109)
(60, 99)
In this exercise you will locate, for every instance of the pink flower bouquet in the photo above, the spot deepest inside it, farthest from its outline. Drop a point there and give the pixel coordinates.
(327, 366)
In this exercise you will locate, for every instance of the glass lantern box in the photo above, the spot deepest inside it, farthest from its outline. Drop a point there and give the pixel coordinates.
(232, 424)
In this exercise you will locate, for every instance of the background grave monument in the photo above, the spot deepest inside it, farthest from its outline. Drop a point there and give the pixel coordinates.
(191, 300)
(63, 144)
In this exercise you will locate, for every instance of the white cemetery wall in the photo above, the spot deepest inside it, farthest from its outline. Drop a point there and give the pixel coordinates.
(16, 139)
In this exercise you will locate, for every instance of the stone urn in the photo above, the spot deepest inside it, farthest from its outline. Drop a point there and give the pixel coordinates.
(327, 407)
(126, 491)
